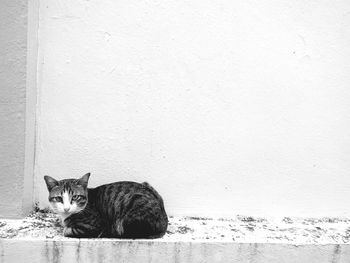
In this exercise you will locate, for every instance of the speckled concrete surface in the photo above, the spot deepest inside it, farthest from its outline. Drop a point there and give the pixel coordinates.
(240, 229)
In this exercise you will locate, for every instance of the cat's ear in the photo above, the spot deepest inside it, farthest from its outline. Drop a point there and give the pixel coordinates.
(50, 182)
(84, 180)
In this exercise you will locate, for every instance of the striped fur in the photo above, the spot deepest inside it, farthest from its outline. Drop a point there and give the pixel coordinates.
(122, 209)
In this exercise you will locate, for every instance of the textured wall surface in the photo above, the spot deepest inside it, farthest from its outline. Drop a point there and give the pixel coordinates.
(225, 107)
(13, 51)
(85, 250)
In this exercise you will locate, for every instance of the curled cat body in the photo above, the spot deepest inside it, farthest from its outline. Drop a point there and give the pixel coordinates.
(121, 209)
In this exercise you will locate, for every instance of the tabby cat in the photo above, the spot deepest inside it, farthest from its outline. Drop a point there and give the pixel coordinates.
(122, 209)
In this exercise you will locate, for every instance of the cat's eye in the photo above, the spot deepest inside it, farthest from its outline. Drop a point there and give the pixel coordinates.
(56, 199)
(76, 197)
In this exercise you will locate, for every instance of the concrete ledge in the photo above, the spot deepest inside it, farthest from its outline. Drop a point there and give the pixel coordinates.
(112, 250)
(39, 238)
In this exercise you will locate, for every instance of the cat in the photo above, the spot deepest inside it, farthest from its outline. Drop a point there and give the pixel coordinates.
(121, 209)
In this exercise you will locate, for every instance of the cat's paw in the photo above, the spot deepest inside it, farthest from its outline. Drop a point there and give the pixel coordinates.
(68, 232)
(119, 227)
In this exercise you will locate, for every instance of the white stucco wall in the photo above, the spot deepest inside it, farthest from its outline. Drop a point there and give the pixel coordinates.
(17, 106)
(226, 107)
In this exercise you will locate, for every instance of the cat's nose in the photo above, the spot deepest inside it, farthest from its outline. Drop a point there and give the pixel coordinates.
(66, 209)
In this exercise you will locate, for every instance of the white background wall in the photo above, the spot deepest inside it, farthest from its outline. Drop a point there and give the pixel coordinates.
(13, 61)
(226, 107)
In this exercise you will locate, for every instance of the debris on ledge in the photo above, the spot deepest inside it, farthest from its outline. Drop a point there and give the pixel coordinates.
(41, 224)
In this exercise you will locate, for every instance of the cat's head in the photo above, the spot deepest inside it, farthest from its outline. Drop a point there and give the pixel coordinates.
(68, 196)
